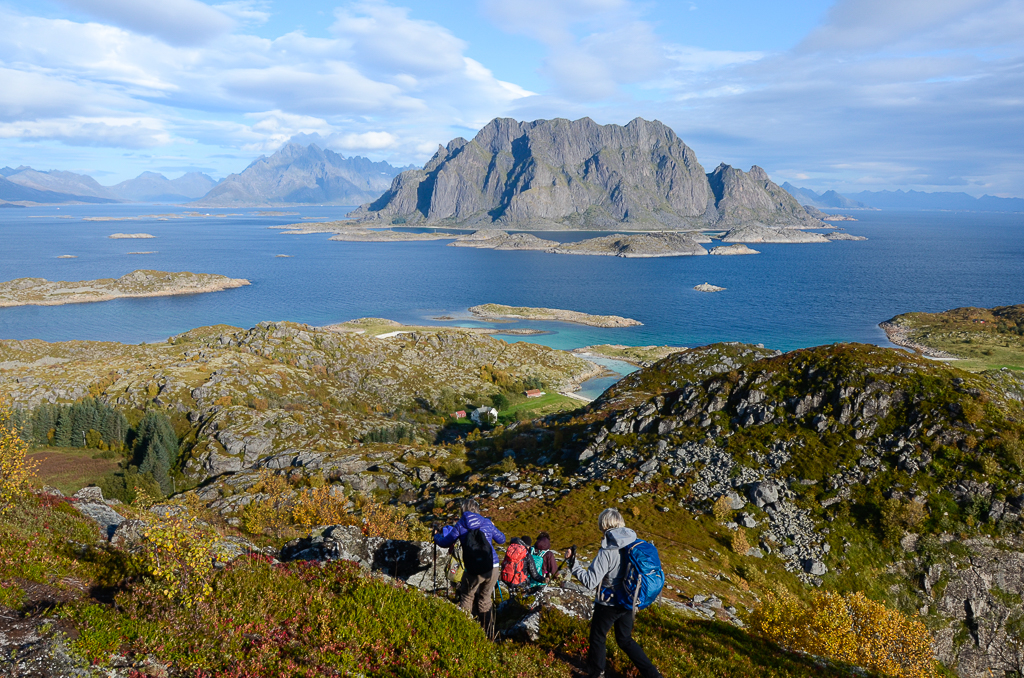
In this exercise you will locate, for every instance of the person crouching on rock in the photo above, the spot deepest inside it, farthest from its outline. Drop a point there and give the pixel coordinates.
(480, 560)
(605, 574)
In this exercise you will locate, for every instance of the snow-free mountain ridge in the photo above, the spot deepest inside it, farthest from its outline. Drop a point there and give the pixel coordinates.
(557, 174)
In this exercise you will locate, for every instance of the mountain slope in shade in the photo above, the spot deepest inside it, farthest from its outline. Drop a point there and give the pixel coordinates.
(80, 185)
(298, 174)
(154, 187)
(12, 192)
(920, 200)
(578, 174)
(827, 200)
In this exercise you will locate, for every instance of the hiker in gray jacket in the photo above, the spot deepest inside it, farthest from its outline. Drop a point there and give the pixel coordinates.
(605, 574)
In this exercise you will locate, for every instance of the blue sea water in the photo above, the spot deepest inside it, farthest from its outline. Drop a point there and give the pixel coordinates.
(787, 297)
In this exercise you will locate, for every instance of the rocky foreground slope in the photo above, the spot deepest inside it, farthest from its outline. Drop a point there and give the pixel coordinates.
(557, 174)
(845, 467)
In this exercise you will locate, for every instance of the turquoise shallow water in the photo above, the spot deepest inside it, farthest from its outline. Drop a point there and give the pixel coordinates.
(787, 297)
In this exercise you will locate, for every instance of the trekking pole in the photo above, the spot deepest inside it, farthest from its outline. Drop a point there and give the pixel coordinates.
(433, 580)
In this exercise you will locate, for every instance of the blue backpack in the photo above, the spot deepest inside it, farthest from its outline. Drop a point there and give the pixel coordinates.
(643, 578)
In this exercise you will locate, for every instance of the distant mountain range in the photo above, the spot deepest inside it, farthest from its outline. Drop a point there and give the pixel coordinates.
(295, 174)
(904, 200)
(919, 200)
(24, 184)
(303, 175)
(828, 199)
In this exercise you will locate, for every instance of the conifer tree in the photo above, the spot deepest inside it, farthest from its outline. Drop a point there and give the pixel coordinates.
(156, 448)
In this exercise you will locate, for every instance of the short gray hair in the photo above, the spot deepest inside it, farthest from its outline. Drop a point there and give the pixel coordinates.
(610, 519)
(470, 506)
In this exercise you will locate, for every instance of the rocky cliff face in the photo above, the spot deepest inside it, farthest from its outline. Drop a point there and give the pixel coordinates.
(297, 174)
(750, 197)
(575, 174)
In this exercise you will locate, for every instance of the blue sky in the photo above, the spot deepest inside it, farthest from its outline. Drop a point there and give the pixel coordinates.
(852, 94)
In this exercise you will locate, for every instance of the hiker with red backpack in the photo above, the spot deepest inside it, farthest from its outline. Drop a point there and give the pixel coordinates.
(519, 569)
(627, 575)
(475, 533)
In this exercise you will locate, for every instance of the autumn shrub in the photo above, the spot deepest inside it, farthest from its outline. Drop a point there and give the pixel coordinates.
(323, 505)
(383, 520)
(851, 628)
(17, 471)
(178, 558)
(739, 542)
(722, 508)
(897, 516)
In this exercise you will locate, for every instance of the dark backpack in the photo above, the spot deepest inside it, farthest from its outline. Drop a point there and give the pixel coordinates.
(642, 576)
(476, 553)
(513, 570)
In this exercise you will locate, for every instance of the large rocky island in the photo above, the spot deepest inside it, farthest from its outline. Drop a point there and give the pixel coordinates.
(562, 174)
(42, 292)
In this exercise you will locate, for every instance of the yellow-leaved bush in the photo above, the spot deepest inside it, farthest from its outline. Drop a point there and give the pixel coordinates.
(178, 555)
(16, 470)
(850, 628)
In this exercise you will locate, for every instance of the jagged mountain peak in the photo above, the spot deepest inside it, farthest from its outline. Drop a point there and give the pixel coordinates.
(577, 174)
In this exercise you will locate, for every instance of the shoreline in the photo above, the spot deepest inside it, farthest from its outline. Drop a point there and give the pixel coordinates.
(901, 337)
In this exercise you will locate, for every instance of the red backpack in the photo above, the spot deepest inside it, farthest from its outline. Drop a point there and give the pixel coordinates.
(513, 569)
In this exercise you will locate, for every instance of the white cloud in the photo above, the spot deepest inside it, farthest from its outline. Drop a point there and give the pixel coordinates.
(82, 131)
(246, 11)
(386, 41)
(873, 24)
(178, 22)
(615, 48)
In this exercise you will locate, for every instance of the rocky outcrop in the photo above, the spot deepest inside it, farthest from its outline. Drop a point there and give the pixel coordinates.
(751, 197)
(732, 250)
(559, 174)
(759, 232)
(840, 235)
(526, 312)
(639, 246)
(297, 174)
(500, 240)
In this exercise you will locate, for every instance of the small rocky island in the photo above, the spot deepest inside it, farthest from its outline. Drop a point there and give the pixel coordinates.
(529, 313)
(639, 245)
(708, 287)
(732, 250)
(42, 292)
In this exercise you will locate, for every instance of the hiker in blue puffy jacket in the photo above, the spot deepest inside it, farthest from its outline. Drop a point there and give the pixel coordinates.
(605, 574)
(480, 560)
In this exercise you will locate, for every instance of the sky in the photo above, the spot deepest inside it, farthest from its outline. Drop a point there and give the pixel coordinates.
(849, 95)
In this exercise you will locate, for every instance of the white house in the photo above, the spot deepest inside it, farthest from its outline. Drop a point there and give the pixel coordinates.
(485, 415)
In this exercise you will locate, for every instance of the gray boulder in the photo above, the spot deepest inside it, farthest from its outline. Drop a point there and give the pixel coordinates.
(764, 493)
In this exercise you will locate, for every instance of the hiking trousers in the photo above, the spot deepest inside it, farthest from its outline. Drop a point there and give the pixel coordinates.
(476, 591)
(606, 616)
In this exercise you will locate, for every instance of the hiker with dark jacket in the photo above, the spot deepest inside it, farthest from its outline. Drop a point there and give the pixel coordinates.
(475, 533)
(549, 562)
(605, 574)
